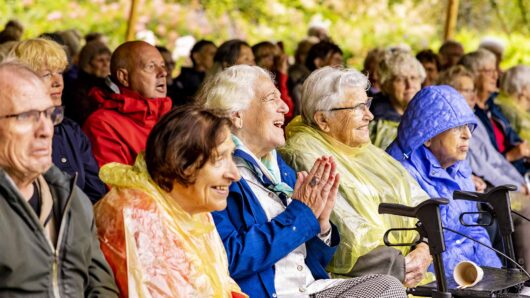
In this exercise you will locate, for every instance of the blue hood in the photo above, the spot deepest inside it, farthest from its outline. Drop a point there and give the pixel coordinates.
(432, 111)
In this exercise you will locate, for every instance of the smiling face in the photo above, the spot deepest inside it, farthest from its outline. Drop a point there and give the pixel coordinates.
(147, 72)
(53, 79)
(349, 126)
(450, 146)
(402, 87)
(261, 123)
(25, 145)
(209, 191)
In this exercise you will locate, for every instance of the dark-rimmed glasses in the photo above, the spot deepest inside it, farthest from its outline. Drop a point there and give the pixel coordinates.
(356, 108)
(54, 113)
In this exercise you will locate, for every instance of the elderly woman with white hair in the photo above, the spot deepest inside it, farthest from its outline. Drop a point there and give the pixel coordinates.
(400, 77)
(334, 121)
(514, 99)
(501, 134)
(276, 228)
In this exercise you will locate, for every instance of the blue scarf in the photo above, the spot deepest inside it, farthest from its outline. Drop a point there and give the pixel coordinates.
(266, 170)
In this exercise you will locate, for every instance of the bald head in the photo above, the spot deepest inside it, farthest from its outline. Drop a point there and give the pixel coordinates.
(139, 66)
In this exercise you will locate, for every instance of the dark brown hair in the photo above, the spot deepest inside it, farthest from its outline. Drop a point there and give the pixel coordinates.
(181, 143)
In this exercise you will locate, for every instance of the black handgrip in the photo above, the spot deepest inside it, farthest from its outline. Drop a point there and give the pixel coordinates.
(397, 209)
(482, 197)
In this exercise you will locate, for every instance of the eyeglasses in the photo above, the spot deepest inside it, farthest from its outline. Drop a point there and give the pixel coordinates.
(356, 108)
(54, 113)
(488, 71)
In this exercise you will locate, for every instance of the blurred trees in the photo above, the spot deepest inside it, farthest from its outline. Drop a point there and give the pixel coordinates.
(356, 25)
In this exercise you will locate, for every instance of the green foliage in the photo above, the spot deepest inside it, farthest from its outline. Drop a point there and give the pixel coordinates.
(357, 26)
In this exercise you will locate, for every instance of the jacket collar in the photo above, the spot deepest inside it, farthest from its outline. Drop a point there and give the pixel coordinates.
(382, 109)
(142, 110)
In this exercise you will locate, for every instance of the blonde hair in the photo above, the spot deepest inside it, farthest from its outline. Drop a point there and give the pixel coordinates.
(40, 53)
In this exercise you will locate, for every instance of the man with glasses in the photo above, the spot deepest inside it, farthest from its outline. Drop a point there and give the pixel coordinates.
(49, 246)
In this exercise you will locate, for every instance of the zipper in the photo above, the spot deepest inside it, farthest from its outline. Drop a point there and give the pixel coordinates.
(55, 272)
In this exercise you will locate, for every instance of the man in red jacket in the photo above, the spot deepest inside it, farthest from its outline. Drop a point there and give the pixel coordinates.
(134, 100)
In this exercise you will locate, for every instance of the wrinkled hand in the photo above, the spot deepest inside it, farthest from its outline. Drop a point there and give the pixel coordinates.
(480, 184)
(416, 263)
(313, 189)
(522, 150)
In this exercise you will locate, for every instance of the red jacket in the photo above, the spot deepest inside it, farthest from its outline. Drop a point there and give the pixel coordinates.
(118, 129)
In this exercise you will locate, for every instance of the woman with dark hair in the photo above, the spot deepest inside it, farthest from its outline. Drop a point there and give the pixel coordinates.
(154, 225)
(232, 52)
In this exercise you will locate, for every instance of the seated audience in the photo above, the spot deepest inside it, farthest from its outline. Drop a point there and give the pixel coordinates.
(298, 72)
(450, 53)
(432, 144)
(485, 161)
(50, 248)
(324, 53)
(431, 64)
(514, 99)
(231, 52)
(72, 150)
(276, 227)
(335, 117)
(154, 225)
(371, 69)
(130, 104)
(501, 134)
(271, 58)
(94, 68)
(190, 79)
(400, 77)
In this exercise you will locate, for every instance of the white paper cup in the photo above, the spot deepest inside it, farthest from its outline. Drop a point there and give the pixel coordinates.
(467, 274)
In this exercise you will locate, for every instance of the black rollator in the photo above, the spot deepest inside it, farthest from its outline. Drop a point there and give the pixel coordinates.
(505, 282)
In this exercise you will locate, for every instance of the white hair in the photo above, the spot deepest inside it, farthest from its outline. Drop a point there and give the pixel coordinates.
(231, 90)
(475, 61)
(516, 79)
(396, 59)
(325, 87)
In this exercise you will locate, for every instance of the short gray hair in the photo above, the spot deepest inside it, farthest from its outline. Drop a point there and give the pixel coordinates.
(516, 79)
(476, 60)
(231, 90)
(394, 60)
(325, 87)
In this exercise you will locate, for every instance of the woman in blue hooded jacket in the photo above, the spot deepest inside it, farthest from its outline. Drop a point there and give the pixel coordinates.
(432, 144)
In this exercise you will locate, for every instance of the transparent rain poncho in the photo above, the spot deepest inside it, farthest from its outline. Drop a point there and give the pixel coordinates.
(383, 132)
(155, 248)
(368, 176)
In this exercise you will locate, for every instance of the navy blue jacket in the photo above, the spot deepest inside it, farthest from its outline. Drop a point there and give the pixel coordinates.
(382, 109)
(254, 245)
(72, 153)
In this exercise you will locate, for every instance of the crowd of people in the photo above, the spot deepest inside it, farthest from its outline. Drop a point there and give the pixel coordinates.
(246, 175)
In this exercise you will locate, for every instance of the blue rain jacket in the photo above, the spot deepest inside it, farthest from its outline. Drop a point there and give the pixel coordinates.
(432, 111)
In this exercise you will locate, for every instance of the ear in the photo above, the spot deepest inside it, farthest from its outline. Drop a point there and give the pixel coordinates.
(428, 143)
(237, 120)
(122, 75)
(319, 63)
(321, 121)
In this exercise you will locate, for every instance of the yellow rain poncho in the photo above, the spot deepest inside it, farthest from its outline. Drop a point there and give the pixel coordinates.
(368, 176)
(155, 248)
(383, 132)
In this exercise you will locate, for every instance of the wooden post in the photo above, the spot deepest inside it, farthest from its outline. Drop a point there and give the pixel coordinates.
(131, 22)
(450, 21)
